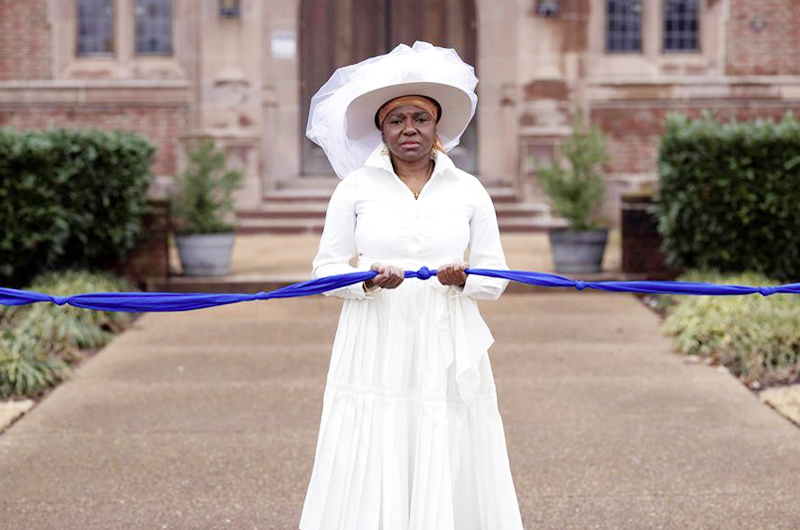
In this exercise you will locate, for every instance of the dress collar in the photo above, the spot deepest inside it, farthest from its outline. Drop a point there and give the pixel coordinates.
(381, 161)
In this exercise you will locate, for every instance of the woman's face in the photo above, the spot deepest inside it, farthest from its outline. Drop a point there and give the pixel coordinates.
(409, 132)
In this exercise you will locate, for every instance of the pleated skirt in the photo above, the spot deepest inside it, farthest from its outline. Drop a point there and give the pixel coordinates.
(398, 448)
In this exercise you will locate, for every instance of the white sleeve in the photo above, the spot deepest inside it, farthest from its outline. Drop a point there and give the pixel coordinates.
(337, 243)
(485, 251)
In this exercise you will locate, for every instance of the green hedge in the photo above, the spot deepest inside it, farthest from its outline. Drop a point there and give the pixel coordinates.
(69, 198)
(729, 195)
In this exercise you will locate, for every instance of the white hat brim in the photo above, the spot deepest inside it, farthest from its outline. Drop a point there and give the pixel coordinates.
(456, 106)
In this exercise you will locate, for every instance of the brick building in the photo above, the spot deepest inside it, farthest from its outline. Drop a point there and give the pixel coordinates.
(243, 71)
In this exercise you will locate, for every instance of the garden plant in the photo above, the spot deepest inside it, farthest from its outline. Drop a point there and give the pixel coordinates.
(40, 343)
(728, 213)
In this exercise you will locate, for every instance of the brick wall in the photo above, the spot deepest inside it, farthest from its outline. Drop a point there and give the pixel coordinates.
(631, 137)
(632, 134)
(24, 40)
(163, 126)
(763, 37)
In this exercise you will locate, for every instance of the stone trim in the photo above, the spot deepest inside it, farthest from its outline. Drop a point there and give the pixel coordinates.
(693, 93)
(698, 80)
(115, 94)
(679, 104)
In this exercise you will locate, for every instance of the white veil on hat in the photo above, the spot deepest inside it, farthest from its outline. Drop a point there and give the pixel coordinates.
(355, 93)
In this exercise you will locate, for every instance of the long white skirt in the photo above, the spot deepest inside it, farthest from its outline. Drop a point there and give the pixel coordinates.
(399, 447)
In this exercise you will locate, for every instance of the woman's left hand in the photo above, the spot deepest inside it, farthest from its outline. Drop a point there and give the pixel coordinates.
(453, 273)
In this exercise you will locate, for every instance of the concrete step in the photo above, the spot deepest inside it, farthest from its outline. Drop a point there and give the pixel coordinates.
(284, 210)
(499, 194)
(260, 225)
(280, 226)
(502, 194)
(521, 225)
(301, 209)
(316, 210)
(298, 195)
(521, 209)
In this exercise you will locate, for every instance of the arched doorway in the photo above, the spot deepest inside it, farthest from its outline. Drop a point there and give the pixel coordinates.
(335, 33)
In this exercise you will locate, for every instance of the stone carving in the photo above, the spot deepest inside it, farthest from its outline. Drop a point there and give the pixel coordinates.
(230, 98)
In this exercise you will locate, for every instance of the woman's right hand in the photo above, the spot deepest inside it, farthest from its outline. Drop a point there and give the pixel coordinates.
(388, 276)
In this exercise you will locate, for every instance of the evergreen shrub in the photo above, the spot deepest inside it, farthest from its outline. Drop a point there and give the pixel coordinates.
(756, 337)
(729, 195)
(25, 369)
(203, 202)
(69, 199)
(576, 190)
(40, 342)
(66, 328)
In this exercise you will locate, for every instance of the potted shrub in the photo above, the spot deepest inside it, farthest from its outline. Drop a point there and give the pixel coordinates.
(576, 190)
(203, 210)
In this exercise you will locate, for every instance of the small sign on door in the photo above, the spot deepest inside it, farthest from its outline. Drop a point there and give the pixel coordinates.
(284, 44)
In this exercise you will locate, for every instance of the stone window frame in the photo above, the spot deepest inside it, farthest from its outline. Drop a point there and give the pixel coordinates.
(124, 63)
(653, 60)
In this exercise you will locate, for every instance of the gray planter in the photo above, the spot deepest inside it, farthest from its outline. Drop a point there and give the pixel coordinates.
(578, 251)
(205, 254)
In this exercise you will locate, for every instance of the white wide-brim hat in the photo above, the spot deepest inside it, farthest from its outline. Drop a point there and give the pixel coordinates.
(342, 115)
(455, 104)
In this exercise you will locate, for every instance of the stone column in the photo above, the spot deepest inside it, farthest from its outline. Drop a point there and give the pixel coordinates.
(283, 133)
(546, 90)
(497, 71)
(227, 81)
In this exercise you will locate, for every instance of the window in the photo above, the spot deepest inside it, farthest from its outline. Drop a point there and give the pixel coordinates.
(95, 27)
(229, 8)
(681, 25)
(154, 27)
(624, 26)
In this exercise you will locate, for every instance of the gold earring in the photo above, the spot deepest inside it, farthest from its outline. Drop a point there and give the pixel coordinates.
(433, 153)
(385, 151)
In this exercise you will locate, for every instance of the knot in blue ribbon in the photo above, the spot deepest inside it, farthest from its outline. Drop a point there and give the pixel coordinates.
(261, 295)
(580, 285)
(60, 300)
(424, 273)
(766, 291)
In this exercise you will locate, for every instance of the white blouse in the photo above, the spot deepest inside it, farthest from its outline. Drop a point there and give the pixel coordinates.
(373, 215)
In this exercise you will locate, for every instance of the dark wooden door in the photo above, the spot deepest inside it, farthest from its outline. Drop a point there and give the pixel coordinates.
(335, 33)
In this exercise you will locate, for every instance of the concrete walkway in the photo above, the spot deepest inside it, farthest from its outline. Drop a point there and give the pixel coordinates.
(208, 419)
(265, 256)
(256, 254)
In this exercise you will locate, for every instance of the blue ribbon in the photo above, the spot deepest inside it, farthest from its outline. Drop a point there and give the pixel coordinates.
(155, 301)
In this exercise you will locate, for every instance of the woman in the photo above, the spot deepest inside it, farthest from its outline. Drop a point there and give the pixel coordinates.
(410, 436)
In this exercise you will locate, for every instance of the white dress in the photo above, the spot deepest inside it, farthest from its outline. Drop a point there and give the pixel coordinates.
(411, 437)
